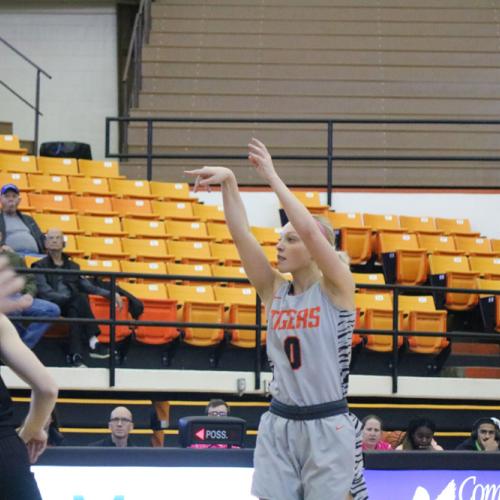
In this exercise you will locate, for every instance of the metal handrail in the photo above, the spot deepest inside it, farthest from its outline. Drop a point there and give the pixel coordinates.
(329, 157)
(36, 106)
(140, 35)
(258, 327)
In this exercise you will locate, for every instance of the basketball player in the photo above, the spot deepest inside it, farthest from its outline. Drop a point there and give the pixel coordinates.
(308, 445)
(20, 448)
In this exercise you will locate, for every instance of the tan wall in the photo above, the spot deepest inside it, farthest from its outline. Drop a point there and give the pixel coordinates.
(327, 59)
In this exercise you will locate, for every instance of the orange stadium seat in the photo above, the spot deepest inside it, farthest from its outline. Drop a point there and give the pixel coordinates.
(100, 226)
(240, 309)
(345, 219)
(436, 243)
(141, 228)
(93, 205)
(97, 186)
(18, 163)
(178, 210)
(158, 267)
(225, 253)
(357, 243)
(67, 223)
(185, 230)
(266, 235)
(127, 188)
(57, 166)
(24, 203)
(101, 247)
(101, 309)
(20, 179)
(402, 258)
(130, 207)
(209, 213)
(473, 245)
(49, 183)
(495, 245)
(312, 201)
(53, 203)
(420, 314)
(189, 252)
(229, 272)
(98, 168)
(489, 267)
(376, 314)
(198, 305)
(176, 191)
(70, 246)
(456, 271)
(146, 249)
(455, 226)
(219, 232)
(102, 265)
(198, 270)
(419, 224)
(368, 279)
(10, 144)
(157, 307)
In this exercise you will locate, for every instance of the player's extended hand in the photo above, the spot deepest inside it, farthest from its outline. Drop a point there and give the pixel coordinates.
(10, 285)
(207, 176)
(261, 159)
(35, 443)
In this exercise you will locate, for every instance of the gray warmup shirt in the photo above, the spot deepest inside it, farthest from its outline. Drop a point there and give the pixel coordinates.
(17, 235)
(309, 346)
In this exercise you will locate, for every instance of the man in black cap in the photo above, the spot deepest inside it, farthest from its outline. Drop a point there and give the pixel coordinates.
(19, 231)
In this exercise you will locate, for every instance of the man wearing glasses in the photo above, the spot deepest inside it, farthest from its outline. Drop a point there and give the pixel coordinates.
(120, 424)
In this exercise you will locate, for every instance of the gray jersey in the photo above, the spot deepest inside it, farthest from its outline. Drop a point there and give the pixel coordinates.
(309, 346)
(18, 235)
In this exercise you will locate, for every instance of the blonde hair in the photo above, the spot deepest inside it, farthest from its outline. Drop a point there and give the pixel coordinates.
(329, 234)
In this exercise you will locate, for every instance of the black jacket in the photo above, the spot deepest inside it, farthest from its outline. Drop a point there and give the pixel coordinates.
(30, 223)
(47, 283)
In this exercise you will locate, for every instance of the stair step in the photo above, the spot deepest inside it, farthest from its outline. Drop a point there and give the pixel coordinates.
(470, 348)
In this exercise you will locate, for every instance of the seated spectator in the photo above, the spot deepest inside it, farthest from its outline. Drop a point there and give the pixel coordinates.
(120, 424)
(18, 231)
(372, 434)
(34, 331)
(420, 436)
(485, 436)
(70, 293)
(215, 408)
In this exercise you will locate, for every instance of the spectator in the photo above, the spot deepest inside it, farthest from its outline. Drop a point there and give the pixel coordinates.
(420, 436)
(32, 333)
(120, 424)
(372, 434)
(22, 446)
(485, 436)
(19, 232)
(70, 293)
(215, 408)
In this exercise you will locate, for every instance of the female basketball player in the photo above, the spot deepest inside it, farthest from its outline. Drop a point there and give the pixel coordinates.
(19, 449)
(308, 445)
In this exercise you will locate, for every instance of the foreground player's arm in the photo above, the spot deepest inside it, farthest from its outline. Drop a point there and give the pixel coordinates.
(337, 276)
(258, 269)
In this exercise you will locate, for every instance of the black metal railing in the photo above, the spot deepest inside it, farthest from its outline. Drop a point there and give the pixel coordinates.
(36, 106)
(258, 327)
(329, 157)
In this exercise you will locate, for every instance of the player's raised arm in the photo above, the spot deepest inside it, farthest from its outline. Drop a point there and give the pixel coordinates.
(258, 269)
(336, 273)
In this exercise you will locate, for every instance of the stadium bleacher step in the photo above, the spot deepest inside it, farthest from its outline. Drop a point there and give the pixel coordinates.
(473, 360)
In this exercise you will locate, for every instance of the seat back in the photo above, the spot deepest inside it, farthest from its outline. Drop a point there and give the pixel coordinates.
(486, 266)
(198, 270)
(146, 248)
(186, 230)
(104, 265)
(266, 235)
(146, 290)
(312, 201)
(418, 224)
(100, 226)
(369, 279)
(442, 264)
(209, 212)
(229, 272)
(453, 226)
(93, 205)
(99, 168)
(180, 210)
(390, 242)
(378, 222)
(473, 244)
(20, 179)
(9, 143)
(219, 231)
(142, 228)
(176, 191)
(345, 219)
(18, 163)
(186, 251)
(126, 188)
(436, 243)
(97, 186)
(57, 166)
(356, 242)
(57, 203)
(225, 252)
(131, 207)
(67, 223)
(155, 267)
(49, 183)
(101, 308)
(100, 246)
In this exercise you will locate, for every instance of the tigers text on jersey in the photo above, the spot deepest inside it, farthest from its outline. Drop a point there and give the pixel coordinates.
(309, 346)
